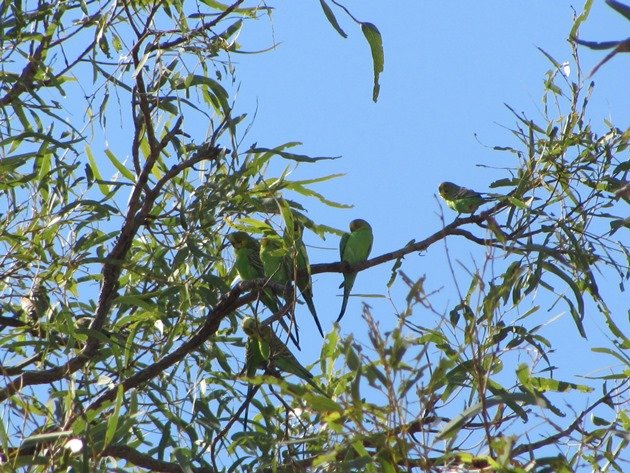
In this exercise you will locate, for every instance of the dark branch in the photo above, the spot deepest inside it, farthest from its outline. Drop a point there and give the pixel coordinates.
(150, 463)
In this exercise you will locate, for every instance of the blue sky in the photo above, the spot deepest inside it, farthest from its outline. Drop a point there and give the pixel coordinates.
(449, 69)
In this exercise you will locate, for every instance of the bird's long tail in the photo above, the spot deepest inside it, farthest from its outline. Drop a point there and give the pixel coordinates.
(295, 338)
(311, 308)
(347, 287)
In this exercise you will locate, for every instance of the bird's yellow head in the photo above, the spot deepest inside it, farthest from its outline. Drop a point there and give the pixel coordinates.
(239, 239)
(447, 189)
(249, 325)
(359, 224)
(271, 243)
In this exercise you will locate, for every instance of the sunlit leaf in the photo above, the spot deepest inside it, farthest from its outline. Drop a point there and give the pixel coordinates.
(373, 36)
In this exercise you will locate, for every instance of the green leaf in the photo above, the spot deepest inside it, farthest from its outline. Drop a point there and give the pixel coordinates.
(321, 403)
(517, 203)
(104, 188)
(551, 59)
(578, 315)
(43, 162)
(221, 95)
(387, 467)
(112, 422)
(331, 18)
(394, 271)
(300, 158)
(586, 9)
(509, 398)
(546, 384)
(14, 162)
(375, 41)
(300, 189)
(45, 438)
(120, 166)
(135, 300)
(452, 427)
(620, 356)
(251, 12)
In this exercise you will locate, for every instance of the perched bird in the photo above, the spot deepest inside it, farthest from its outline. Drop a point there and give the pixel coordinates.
(354, 248)
(299, 264)
(274, 258)
(249, 266)
(273, 255)
(460, 199)
(266, 350)
(254, 359)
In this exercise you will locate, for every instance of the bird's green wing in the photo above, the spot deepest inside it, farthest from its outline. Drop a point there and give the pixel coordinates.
(342, 245)
(284, 360)
(467, 205)
(460, 199)
(267, 296)
(355, 247)
(273, 352)
(364, 241)
(281, 356)
(249, 266)
(253, 259)
(358, 246)
(254, 358)
(273, 255)
(257, 350)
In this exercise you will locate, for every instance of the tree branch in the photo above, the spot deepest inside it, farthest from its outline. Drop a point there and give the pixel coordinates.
(553, 439)
(414, 247)
(150, 463)
(205, 26)
(228, 304)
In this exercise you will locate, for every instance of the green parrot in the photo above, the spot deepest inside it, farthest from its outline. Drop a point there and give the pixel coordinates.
(460, 199)
(273, 255)
(354, 248)
(302, 267)
(249, 266)
(265, 349)
(254, 359)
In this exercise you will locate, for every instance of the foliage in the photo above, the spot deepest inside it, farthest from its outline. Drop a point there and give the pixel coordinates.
(121, 346)
(617, 47)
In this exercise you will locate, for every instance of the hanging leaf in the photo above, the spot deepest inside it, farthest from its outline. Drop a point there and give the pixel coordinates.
(331, 18)
(374, 39)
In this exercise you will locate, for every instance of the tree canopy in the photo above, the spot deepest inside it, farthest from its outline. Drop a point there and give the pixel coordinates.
(122, 347)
